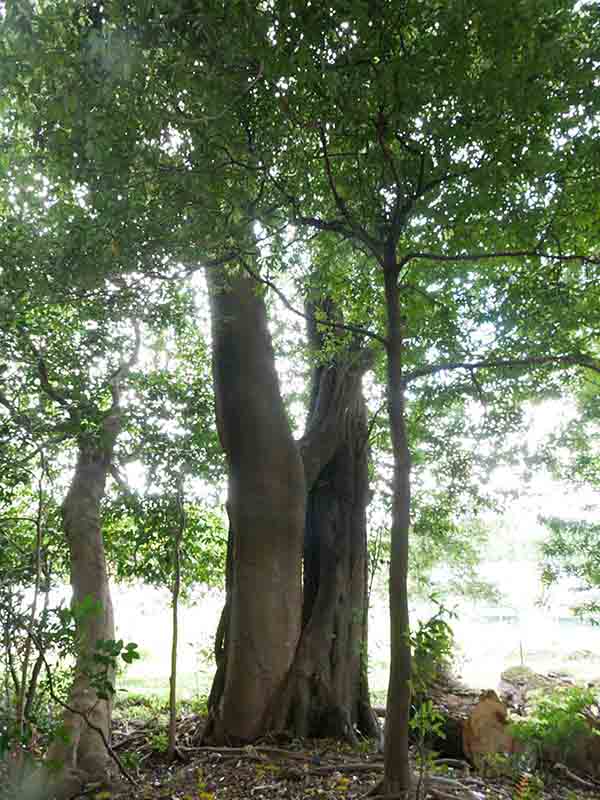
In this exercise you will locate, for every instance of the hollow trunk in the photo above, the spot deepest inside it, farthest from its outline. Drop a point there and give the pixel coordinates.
(327, 693)
(266, 511)
(396, 764)
(82, 748)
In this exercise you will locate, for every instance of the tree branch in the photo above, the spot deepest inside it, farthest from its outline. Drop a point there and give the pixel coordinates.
(356, 329)
(380, 126)
(333, 226)
(340, 203)
(53, 393)
(20, 419)
(121, 482)
(337, 226)
(586, 259)
(580, 360)
(125, 368)
(354, 230)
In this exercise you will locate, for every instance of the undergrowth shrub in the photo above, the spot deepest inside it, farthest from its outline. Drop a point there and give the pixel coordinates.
(432, 646)
(558, 720)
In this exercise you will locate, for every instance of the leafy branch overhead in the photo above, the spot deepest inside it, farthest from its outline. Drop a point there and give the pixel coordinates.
(386, 196)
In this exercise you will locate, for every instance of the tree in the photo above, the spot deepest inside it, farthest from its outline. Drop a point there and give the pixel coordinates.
(67, 362)
(266, 512)
(441, 176)
(420, 179)
(87, 721)
(133, 228)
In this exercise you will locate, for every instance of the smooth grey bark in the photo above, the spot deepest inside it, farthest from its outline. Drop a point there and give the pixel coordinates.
(266, 506)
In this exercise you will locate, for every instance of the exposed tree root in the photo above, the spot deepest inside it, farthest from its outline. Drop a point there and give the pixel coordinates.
(258, 752)
(435, 785)
(575, 778)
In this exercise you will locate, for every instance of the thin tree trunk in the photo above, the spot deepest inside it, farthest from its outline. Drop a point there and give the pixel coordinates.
(172, 747)
(266, 511)
(220, 650)
(82, 751)
(396, 764)
(39, 662)
(22, 696)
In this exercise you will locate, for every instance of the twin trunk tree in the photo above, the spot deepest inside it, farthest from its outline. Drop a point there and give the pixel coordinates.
(296, 655)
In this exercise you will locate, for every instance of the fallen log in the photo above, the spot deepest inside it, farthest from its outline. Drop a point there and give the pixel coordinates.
(486, 730)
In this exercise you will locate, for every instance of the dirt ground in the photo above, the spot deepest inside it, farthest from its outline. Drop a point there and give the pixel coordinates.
(300, 770)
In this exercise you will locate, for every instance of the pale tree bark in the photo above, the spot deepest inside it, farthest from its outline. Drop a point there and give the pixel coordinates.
(83, 748)
(326, 693)
(80, 753)
(266, 511)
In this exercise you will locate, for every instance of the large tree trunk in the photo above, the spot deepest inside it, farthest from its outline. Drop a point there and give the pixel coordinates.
(326, 693)
(82, 750)
(396, 764)
(266, 511)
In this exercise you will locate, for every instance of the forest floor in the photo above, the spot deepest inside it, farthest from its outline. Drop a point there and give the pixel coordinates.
(297, 769)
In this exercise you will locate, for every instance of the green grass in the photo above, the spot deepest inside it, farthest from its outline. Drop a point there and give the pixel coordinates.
(153, 706)
(189, 684)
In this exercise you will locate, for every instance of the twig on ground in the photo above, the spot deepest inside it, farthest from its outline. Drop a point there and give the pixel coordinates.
(442, 788)
(575, 778)
(399, 796)
(359, 767)
(453, 763)
(440, 795)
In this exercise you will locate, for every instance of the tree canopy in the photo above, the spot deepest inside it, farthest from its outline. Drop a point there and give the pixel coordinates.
(419, 182)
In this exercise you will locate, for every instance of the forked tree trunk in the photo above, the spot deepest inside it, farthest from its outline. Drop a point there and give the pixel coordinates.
(82, 750)
(327, 693)
(266, 511)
